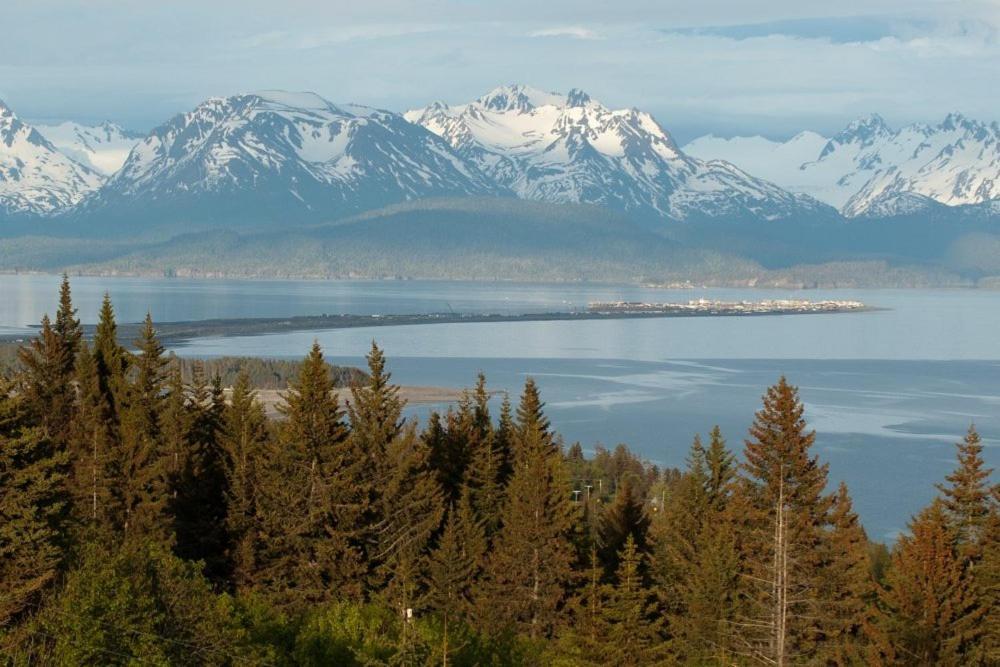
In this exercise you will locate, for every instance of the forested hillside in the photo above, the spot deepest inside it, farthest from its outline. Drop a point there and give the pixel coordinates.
(146, 520)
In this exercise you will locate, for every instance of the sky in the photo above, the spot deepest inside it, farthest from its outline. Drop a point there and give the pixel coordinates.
(728, 67)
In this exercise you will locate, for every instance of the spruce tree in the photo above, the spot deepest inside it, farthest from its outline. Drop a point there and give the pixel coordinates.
(142, 487)
(244, 439)
(634, 625)
(375, 414)
(111, 358)
(311, 509)
(92, 450)
(851, 622)
(199, 506)
(695, 556)
(450, 450)
(935, 618)
(177, 424)
(408, 512)
(967, 495)
(67, 327)
(46, 384)
(988, 578)
(484, 476)
(788, 527)
(624, 518)
(503, 440)
(720, 470)
(33, 508)
(452, 570)
(530, 569)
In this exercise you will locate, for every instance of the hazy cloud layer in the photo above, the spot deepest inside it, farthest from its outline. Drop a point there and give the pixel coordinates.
(730, 67)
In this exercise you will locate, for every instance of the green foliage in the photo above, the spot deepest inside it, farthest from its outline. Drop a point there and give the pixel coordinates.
(130, 502)
(312, 499)
(33, 509)
(140, 605)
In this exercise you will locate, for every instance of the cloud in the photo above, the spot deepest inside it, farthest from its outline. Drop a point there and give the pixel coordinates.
(575, 32)
(839, 30)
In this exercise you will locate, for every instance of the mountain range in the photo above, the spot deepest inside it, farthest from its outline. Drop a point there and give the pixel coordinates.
(280, 157)
(470, 187)
(871, 170)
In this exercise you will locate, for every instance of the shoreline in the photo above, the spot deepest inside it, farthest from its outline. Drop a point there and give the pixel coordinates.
(183, 331)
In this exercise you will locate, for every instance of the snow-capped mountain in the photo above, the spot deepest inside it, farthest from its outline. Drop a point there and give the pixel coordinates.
(872, 170)
(572, 149)
(35, 178)
(277, 155)
(104, 148)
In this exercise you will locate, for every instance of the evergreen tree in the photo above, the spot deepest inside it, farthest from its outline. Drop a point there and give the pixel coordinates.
(91, 446)
(244, 439)
(142, 488)
(408, 512)
(199, 506)
(311, 508)
(623, 519)
(33, 508)
(531, 420)
(449, 448)
(967, 495)
(696, 558)
(46, 385)
(587, 638)
(850, 619)
(177, 425)
(375, 413)
(788, 527)
(111, 358)
(452, 570)
(67, 328)
(988, 578)
(531, 565)
(486, 466)
(935, 618)
(375, 410)
(503, 440)
(720, 470)
(634, 635)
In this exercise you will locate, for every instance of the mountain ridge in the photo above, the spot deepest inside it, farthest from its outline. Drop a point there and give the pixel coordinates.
(869, 169)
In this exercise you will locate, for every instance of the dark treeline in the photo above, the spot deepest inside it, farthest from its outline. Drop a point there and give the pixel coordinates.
(146, 520)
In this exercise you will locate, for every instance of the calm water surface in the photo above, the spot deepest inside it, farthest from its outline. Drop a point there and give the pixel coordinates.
(887, 391)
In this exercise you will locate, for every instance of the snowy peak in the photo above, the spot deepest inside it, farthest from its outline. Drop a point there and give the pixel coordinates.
(517, 97)
(35, 178)
(103, 148)
(282, 153)
(867, 167)
(863, 132)
(572, 149)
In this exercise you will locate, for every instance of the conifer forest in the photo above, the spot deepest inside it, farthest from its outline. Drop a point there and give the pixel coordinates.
(155, 515)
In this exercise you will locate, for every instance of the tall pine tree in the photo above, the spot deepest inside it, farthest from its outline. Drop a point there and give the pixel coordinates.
(789, 510)
(310, 506)
(245, 440)
(935, 618)
(33, 508)
(141, 486)
(530, 568)
(46, 383)
(967, 495)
